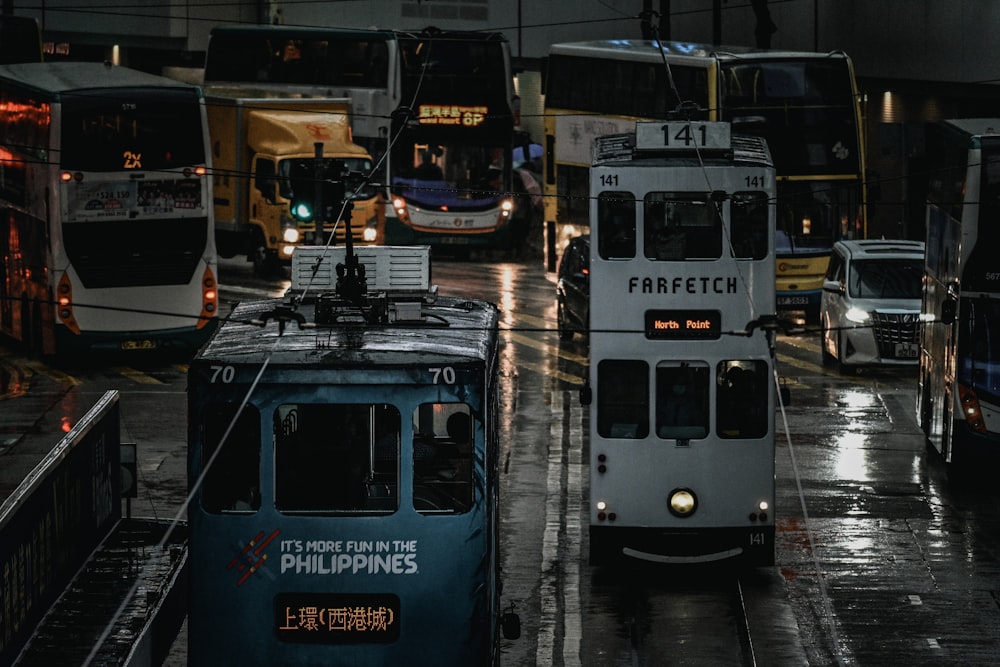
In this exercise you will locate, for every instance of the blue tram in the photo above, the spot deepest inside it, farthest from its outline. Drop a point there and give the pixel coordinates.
(343, 463)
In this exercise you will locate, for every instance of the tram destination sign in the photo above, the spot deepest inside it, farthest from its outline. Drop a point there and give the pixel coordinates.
(335, 618)
(683, 324)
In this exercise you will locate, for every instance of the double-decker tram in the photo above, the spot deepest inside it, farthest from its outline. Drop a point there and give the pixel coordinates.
(451, 161)
(343, 459)
(106, 231)
(806, 105)
(958, 396)
(682, 383)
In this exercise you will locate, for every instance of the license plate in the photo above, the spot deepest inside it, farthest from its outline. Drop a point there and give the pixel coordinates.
(144, 344)
(793, 301)
(906, 350)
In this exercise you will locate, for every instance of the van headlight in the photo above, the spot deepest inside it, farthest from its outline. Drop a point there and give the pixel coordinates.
(858, 316)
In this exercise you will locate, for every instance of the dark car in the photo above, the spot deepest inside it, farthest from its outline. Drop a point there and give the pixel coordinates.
(573, 288)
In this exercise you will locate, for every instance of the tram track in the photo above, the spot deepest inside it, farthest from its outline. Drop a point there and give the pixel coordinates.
(677, 615)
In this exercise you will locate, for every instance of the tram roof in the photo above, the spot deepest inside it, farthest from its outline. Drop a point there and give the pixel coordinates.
(746, 149)
(452, 331)
(61, 77)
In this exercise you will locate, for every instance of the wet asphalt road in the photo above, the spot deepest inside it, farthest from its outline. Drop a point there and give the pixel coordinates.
(884, 557)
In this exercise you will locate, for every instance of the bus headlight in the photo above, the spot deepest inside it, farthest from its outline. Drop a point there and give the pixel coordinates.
(682, 503)
(290, 235)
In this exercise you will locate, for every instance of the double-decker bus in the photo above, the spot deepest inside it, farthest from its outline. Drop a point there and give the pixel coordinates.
(805, 104)
(106, 234)
(451, 159)
(682, 382)
(433, 108)
(958, 397)
(344, 467)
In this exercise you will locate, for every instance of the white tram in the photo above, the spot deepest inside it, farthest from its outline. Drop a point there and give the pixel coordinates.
(682, 382)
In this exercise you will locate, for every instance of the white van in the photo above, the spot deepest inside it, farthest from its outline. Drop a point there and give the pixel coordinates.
(870, 308)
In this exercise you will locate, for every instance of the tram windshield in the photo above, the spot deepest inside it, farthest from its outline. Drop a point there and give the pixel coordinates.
(682, 226)
(442, 458)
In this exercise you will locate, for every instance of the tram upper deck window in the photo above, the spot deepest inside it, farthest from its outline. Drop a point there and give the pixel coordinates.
(622, 399)
(681, 226)
(336, 458)
(682, 400)
(616, 225)
(232, 481)
(741, 399)
(748, 216)
(442, 458)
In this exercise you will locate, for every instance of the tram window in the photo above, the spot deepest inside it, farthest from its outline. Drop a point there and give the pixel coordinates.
(336, 458)
(616, 225)
(442, 458)
(748, 213)
(741, 399)
(232, 482)
(680, 226)
(622, 399)
(682, 400)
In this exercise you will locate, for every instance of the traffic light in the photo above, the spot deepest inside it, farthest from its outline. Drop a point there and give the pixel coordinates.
(308, 201)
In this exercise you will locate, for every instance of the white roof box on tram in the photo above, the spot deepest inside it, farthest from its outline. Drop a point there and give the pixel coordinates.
(665, 137)
(394, 269)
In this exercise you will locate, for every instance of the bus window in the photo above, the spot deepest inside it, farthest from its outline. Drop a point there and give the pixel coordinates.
(622, 399)
(748, 233)
(741, 399)
(680, 226)
(232, 483)
(336, 458)
(442, 458)
(681, 401)
(616, 225)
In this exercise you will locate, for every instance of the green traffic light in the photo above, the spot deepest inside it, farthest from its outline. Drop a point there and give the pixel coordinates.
(302, 211)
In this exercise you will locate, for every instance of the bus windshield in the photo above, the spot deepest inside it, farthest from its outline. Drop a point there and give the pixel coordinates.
(456, 175)
(811, 213)
(451, 69)
(151, 129)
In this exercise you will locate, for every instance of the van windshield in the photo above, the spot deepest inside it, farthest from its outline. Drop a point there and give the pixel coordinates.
(886, 279)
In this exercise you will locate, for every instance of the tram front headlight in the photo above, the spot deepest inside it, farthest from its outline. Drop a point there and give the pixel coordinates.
(682, 503)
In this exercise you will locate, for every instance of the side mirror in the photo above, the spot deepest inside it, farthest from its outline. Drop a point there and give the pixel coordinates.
(586, 395)
(948, 310)
(833, 286)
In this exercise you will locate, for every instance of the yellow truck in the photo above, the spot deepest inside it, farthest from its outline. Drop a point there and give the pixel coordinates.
(261, 145)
